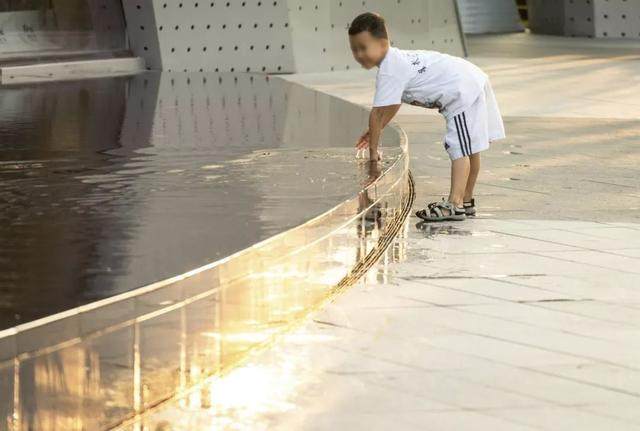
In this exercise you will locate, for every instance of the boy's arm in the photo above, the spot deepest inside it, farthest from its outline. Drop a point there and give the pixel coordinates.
(378, 119)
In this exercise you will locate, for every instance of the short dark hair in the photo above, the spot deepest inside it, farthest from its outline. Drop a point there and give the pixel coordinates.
(371, 22)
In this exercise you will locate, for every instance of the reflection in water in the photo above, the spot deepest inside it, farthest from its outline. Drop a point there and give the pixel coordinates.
(431, 230)
(109, 185)
(144, 206)
(50, 219)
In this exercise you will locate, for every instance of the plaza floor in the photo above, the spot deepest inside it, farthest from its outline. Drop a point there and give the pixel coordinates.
(524, 318)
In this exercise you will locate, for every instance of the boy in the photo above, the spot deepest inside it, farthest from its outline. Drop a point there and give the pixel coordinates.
(457, 88)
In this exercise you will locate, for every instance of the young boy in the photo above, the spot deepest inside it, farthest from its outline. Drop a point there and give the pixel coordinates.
(457, 88)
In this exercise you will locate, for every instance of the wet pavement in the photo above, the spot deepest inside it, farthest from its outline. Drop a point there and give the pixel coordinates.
(489, 323)
(112, 184)
(524, 318)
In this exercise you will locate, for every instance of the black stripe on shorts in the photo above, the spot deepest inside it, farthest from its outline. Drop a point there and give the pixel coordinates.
(460, 137)
(464, 118)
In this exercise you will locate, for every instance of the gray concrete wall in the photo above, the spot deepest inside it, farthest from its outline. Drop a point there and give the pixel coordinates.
(617, 19)
(586, 18)
(278, 37)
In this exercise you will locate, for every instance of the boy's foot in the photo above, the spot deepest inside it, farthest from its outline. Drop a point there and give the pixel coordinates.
(441, 211)
(470, 208)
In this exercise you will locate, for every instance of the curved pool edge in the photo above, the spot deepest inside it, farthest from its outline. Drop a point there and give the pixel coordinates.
(169, 281)
(403, 144)
(206, 319)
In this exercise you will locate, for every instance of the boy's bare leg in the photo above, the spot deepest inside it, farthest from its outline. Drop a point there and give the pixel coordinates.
(473, 176)
(459, 177)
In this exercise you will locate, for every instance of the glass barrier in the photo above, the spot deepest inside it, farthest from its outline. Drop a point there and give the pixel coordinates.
(127, 181)
(106, 363)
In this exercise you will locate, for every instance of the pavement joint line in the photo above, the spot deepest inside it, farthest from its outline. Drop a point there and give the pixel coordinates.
(615, 322)
(514, 188)
(493, 362)
(465, 407)
(612, 184)
(604, 415)
(466, 277)
(533, 253)
(492, 317)
(552, 329)
(579, 247)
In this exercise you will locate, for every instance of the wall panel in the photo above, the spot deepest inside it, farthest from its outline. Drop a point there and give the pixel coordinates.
(278, 36)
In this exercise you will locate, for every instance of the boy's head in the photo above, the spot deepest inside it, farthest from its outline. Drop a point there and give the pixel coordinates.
(368, 38)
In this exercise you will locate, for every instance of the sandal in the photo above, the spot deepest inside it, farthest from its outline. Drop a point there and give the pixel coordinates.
(441, 211)
(470, 208)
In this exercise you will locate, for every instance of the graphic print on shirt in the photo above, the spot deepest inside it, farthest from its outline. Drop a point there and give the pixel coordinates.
(429, 79)
(436, 104)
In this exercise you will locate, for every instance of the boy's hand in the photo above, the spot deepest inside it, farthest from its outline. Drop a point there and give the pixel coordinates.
(363, 142)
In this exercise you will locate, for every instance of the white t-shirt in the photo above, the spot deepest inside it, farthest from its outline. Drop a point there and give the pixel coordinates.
(428, 78)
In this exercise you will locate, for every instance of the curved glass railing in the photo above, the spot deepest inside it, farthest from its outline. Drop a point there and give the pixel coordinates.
(107, 362)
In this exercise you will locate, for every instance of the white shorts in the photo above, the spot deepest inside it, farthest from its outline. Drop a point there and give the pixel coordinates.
(471, 131)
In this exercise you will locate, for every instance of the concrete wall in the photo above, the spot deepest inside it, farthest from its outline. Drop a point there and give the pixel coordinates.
(489, 16)
(587, 18)
(617, 18)
(278, 36)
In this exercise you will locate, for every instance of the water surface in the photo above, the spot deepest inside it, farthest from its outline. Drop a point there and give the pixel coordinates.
(109, 185)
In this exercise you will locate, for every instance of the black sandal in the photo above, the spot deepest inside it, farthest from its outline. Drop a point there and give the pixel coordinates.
(441, 211)
(470, 208)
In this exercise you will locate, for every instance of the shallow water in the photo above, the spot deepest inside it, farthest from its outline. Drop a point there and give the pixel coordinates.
(109, 185)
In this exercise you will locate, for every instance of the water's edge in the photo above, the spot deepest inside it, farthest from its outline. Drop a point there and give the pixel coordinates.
(149, 344)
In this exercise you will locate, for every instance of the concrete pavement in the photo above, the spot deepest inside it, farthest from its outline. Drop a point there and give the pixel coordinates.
(524, 318)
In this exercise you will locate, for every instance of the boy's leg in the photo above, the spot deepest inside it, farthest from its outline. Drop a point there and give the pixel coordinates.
(474, 169)
(460, 169)
(453, 208)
